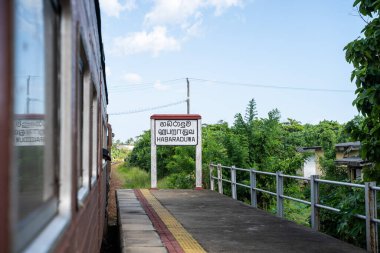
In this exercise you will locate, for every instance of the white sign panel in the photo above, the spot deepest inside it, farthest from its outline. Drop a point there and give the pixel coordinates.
(176, 132)
(29, 132)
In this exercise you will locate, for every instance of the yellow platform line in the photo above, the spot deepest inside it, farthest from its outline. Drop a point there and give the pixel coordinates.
(185, 240)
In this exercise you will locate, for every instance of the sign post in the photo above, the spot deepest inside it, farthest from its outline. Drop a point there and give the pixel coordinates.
(176, 130)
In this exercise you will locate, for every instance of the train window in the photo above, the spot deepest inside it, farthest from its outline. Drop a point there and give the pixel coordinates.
(94, 113)
(36, 118)
(79, 120)
(84, 119)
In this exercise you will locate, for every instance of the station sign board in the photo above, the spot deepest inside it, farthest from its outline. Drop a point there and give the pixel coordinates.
(29, 130)
(176, 132)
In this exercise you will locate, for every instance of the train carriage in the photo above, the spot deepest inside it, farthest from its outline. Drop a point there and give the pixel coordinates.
(54, 127)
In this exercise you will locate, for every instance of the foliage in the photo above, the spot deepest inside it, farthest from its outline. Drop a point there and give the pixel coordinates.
(364, 54)
(133, 177)
(343, 225)
(140, 156)
(180, 180)
(183, 160)
(326, 134)
(118, 153)
(136, 178)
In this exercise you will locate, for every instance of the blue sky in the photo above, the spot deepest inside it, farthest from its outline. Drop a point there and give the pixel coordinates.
(29, 46)
(294, 43)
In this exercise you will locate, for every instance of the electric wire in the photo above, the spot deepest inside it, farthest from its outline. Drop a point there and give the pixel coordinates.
(149, 108)
(147, 86)
(150, 85)
(271, 86)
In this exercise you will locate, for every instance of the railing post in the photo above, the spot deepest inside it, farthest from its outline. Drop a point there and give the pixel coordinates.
(212, 186)
(370, 213)
(280, 192)
(314, 199)
(220, 182)
(252, 178)
(233, 182)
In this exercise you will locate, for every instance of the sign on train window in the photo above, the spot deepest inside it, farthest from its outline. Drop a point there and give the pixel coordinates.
(29, 130)
(35, 114)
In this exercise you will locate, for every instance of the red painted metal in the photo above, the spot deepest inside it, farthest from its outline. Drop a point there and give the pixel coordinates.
(175, 116)
(6, 70)
(29, 116)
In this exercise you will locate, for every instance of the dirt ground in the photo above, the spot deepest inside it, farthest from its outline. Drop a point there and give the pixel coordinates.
(115, 184)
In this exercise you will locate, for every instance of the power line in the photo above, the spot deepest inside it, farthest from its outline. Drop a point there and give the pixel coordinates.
(146, 84)
(149, 108)
(271, 86)
(128, 89)
(143, 88)
(149, 85)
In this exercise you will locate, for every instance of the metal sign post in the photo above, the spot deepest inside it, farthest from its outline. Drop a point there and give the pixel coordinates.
(176, 130)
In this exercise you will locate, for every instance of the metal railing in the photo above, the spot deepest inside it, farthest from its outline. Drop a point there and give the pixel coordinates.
(370, 189)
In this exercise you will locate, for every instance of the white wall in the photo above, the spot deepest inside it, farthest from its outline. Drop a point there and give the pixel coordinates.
(310, 166)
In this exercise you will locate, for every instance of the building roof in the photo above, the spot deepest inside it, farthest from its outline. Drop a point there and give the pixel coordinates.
(348, 144)
(351, 161)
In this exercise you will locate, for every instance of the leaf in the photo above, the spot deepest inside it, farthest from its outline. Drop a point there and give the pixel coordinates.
(356, 2)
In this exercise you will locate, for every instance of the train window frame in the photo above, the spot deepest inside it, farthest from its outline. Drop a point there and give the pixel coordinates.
(45, 238)
(84, 119)
(79, 117)
(94, 138)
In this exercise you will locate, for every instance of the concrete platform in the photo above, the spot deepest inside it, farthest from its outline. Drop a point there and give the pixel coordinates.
(221, 224)
(137, 234)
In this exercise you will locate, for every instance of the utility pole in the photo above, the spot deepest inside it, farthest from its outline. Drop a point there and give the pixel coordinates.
(27, 94)
(188, 96)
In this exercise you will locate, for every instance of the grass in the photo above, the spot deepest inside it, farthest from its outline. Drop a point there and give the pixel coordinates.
(136, 178)
(133, 177)
(163, 183)
(297, 212)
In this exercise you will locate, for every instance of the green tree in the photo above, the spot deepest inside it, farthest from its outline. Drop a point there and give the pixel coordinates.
(118, 153)
(213, 149)
(364, 54)
(251, 112)
(243, 129)
(140, 156)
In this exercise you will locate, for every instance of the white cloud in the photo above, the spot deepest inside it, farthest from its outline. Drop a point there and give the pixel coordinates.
(113, 8)
(187, 14)
(174, 12)
(184, 17)
(146, 42)
(159, 86)
(194, 29)
(130, 5)
(132, 78)
(222, 5)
